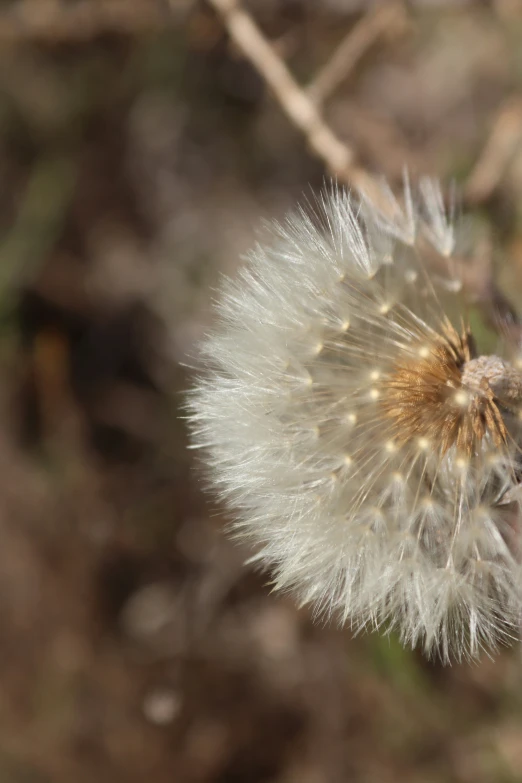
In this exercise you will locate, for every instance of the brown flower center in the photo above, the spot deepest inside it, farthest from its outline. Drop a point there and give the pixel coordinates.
(449, 397)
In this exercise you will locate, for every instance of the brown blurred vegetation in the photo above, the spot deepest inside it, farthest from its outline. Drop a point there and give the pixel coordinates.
(139, 151)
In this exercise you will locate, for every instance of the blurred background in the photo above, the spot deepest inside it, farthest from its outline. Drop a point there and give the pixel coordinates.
(139, 152)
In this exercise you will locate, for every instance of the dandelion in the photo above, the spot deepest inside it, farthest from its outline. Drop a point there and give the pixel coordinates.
(368, 451)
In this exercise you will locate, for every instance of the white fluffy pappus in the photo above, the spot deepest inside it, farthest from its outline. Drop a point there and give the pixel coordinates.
(367, 451)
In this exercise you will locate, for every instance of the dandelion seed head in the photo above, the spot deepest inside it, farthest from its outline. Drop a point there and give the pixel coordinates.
(367, 450)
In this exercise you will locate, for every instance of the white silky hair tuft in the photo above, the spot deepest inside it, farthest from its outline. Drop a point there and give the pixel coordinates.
(365, 451)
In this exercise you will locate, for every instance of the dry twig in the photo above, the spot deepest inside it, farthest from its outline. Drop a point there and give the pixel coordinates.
(301, 110)
(364, 34)
(503, 142)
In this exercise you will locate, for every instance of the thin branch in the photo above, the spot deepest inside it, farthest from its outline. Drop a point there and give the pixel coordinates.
(293, 100)
(354, 46)
(300, 109)
(501, 147)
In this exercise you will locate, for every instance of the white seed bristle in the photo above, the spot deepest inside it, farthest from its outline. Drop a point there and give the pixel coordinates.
(372, 461)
